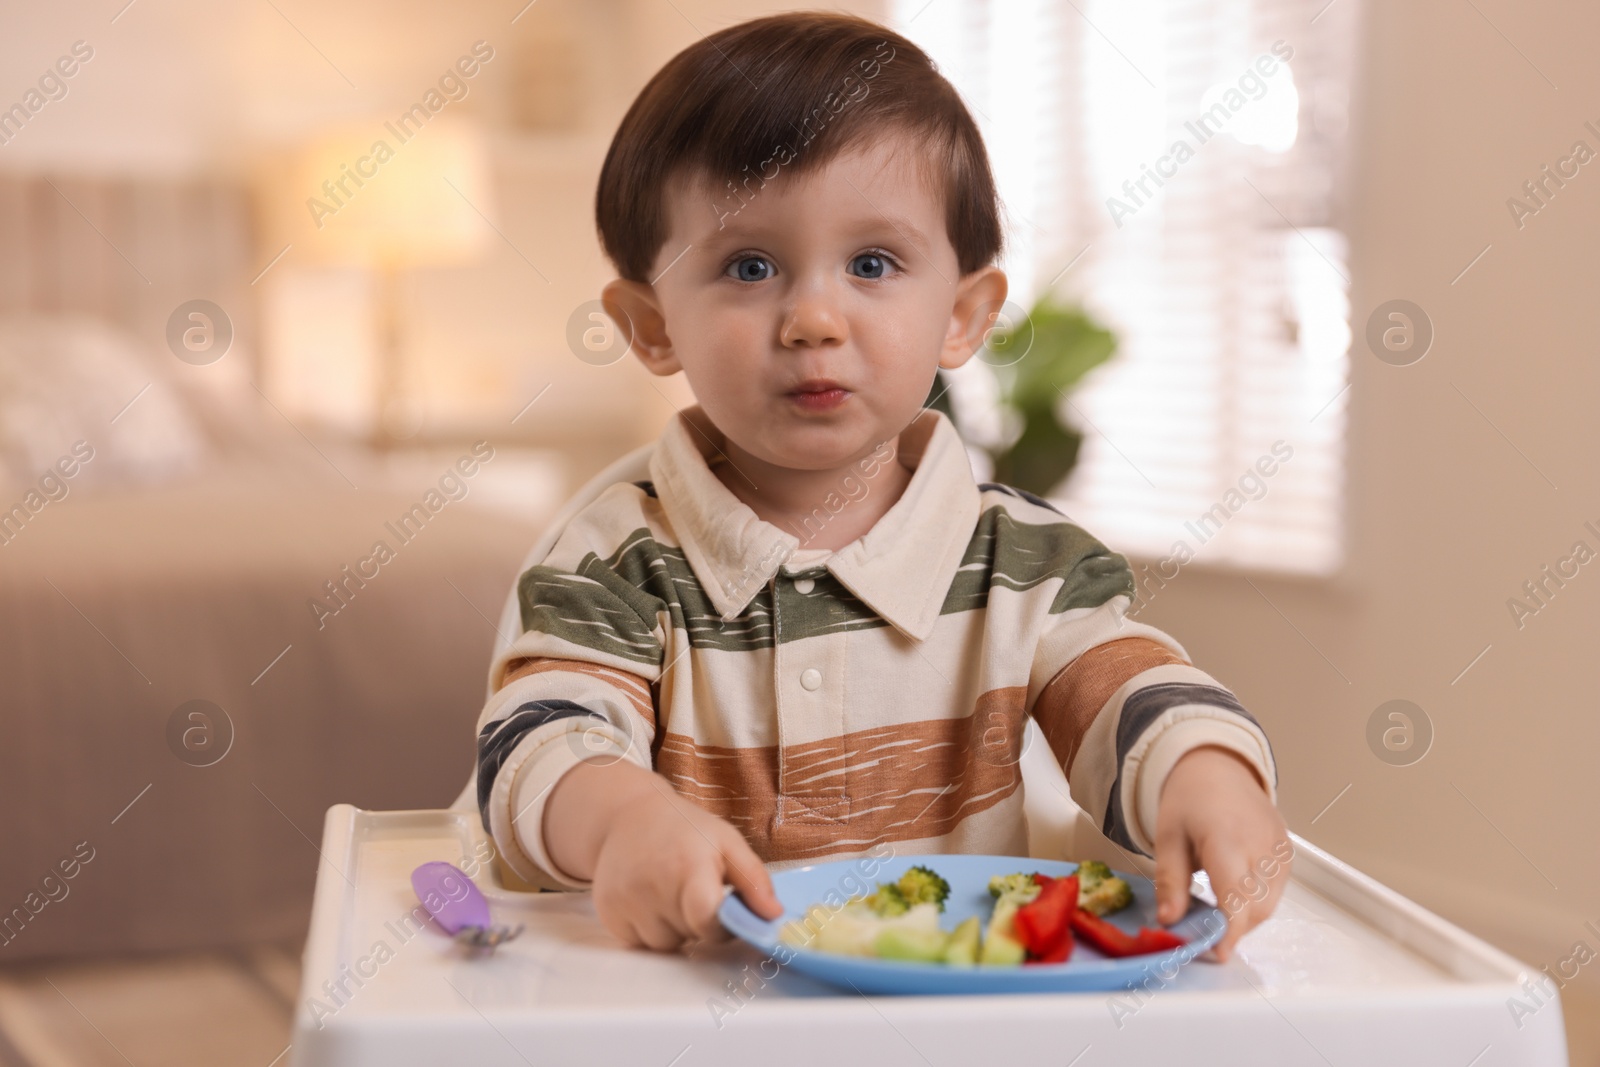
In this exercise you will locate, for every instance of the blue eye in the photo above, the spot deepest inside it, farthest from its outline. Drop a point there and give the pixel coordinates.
(750, 269)
(871, 265)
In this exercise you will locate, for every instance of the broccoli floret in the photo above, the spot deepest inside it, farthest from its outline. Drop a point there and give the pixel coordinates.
(887, 901)
(1021, 886)
(919, 885)
(1091, 873)
(1099, 891)
(1111, 895)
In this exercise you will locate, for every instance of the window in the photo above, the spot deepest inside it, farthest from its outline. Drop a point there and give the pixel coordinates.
(1174, 166)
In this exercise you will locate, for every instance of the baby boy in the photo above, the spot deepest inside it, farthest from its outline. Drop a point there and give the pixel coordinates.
(809, 632)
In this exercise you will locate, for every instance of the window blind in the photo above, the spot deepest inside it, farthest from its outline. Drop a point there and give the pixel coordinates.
(1175, 167)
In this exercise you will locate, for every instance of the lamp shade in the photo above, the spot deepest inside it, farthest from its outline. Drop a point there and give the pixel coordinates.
(385, 196)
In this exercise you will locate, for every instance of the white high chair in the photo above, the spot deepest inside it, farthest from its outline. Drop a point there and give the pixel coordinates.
(1366, 975)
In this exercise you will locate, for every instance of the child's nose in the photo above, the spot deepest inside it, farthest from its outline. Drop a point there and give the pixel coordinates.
(813, 320)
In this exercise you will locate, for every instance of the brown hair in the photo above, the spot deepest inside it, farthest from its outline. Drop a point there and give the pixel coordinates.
(788, 93)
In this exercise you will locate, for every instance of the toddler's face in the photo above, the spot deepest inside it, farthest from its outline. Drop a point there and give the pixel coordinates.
(811, 321)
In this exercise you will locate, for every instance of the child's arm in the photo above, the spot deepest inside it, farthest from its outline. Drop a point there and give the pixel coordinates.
(1215, 815)
(1169, 764)
(1160, 755)
(657, 860)
(565, 783)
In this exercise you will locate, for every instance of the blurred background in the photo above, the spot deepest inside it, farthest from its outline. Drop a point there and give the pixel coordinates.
(282, 282)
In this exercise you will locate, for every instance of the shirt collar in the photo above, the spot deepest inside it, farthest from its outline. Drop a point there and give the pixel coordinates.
(901, 568)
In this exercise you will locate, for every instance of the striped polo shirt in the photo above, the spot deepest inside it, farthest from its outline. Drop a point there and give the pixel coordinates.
(824, 702)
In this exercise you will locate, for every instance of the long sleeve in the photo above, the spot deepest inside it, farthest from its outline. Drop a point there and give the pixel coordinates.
(1120, 703)
(581, 688)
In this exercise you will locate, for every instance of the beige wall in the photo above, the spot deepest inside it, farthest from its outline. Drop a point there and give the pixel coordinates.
(1447, 518)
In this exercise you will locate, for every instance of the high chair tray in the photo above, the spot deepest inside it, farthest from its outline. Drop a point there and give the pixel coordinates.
(1346, 972)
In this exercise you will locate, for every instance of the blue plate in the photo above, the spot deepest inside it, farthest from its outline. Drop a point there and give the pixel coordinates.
(831, 884)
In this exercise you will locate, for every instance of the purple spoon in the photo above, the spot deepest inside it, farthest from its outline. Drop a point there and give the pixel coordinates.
(458, 906)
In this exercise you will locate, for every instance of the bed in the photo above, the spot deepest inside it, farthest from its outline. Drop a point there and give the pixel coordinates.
(178, 712)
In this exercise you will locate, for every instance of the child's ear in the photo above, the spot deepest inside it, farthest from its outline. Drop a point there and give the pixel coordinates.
(979, 298)
(636, 310)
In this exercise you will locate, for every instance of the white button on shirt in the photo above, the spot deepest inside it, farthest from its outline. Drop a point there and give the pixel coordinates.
(810, 678)
(804, 586)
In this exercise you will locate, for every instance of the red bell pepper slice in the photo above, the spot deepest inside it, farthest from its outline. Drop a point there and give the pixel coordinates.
(1044, 925)
(1111, 940)
(1061, 951)
(1149, 939)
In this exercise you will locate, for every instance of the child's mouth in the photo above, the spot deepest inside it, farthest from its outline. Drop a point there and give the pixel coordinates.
(819, 395)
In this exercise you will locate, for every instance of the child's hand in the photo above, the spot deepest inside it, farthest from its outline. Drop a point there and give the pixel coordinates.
(661, 867)
(1214, 814)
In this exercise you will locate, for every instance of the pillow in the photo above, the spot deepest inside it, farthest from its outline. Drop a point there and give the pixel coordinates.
(68, 379)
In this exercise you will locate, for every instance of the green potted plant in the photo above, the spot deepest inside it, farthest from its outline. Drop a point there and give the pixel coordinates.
(1036, 362)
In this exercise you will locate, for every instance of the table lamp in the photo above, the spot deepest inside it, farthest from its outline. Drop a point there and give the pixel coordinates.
(392, 200)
